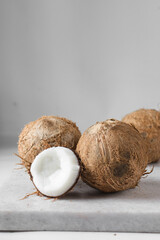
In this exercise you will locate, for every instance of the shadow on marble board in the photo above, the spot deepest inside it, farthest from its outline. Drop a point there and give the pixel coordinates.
(146, 190)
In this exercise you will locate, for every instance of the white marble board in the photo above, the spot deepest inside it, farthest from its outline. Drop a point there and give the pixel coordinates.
(83, 209)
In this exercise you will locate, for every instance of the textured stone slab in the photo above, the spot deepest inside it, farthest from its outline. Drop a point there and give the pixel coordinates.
(83, 209)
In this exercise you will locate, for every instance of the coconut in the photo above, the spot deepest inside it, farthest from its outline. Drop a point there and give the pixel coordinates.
(45, 132)
(113, 156)
(55, 171)
(147, 122)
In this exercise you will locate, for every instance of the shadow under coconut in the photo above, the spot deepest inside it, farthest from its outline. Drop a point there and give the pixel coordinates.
(146, 190)
(83, 191)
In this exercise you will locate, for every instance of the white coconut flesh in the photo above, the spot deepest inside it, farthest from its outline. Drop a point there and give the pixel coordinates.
(54, 171)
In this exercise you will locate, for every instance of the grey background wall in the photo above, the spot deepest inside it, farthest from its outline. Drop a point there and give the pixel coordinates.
(85, 60)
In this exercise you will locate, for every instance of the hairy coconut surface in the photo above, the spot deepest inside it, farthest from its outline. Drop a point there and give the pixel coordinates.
(45, 132)
(113, 156)
(147, 122)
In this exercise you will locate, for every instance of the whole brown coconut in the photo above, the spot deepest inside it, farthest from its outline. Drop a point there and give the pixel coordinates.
(45, 132)
(147, 122)
(113, 156)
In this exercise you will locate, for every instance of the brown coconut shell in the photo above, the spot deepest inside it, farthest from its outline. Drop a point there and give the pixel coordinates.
(45, 132)
(147, 122)
(113, 156)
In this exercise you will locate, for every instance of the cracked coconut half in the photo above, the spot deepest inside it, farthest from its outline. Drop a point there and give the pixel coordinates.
(55, 171)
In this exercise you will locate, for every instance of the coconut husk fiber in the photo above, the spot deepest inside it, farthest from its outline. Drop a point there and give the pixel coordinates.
(45, 132)
(147, 122)
(112, 155)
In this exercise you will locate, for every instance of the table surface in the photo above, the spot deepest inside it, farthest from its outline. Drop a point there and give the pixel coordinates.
(7, 164)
